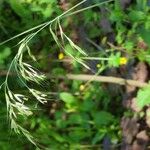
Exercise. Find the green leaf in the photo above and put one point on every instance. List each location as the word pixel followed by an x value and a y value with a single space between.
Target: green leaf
pixel 75 119
pixel 143 97
pixel 144 33
pixel 98 137
pixel 19 9
pixel 57 136
pixel 114 60
pixel 129 46
pixel 116 15
pixel 88 16
pixel 47 1
pixel 4 54
pixel 102 118
pixel 70 50
pixel 47 12
pixel 141 5
pixel 67 97
pixel 87 105
pixel 78 134
pixel 135 15
pixel 58 71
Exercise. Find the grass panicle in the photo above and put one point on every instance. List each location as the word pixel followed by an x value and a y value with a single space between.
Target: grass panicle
pixel 17 102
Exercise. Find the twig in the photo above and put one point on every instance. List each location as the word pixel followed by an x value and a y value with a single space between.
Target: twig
pixel 85 77
pixel 107 79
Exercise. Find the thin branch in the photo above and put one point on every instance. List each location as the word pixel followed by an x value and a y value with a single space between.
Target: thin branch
pixel 107 79
pixel 85 77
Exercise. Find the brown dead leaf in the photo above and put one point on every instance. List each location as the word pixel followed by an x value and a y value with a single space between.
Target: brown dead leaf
pixel 134 105
pixel 141 141
pixel 140 72
pixel 143 136
pixel 137 146
pixel 130 128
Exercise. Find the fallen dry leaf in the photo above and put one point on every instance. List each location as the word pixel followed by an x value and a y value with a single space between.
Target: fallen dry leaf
pixel 140 72
pixel 130 128
pixel 134 105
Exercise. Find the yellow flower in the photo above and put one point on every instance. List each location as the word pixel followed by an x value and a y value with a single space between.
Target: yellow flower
pixel 98 65
pixel 82 87
pixel 61 56
pixel 123 61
